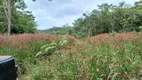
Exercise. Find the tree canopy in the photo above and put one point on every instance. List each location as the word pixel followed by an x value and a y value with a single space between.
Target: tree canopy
pixel 22 21
pixel 109 18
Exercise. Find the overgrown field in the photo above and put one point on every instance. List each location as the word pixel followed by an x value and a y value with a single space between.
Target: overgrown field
pixel 102 57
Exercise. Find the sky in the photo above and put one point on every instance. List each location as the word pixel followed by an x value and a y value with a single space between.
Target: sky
pixel 59 12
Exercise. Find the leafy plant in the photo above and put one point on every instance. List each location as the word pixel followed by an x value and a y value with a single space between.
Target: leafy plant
pixel 140 27
pixel 48 49
pixel 113 33
pixel 63 41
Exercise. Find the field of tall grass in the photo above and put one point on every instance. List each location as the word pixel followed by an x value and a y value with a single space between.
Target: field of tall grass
pixel 102 57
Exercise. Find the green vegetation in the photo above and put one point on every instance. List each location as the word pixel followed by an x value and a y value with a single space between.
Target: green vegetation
pixel 116 57
pixel 22 20
pixel 113 56
pixel 65 29
pixel 48 49
pixel 107 18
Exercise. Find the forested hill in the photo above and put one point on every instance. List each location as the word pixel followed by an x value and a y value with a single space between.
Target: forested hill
pixel 58 30
pixel 108 18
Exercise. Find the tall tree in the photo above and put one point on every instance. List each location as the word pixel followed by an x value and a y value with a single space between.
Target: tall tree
pixel 6 5
pixel 109 18
pixel 21 20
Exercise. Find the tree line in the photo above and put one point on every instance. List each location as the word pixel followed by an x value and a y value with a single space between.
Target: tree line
pixel 58 30
pixel 108 18
pixel 22 20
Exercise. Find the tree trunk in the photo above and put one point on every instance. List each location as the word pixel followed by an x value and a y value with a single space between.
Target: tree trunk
pixel 9 19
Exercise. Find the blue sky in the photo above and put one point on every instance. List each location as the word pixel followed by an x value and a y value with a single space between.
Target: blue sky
pixel 60 12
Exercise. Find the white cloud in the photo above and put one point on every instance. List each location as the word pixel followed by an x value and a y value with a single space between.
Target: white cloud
pixel 60 12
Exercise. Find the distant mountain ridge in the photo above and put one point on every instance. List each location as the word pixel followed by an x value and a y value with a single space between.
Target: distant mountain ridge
pixel 57 30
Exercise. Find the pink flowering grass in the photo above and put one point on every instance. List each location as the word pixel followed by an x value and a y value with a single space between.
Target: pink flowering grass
pixel 24 39
pixel 105 38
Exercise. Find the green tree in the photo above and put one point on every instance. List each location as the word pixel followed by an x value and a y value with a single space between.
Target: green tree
pixel 109 18
pixel 21 20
